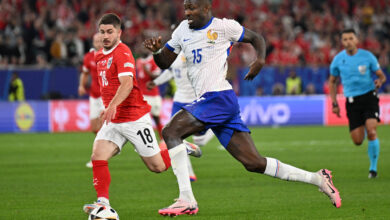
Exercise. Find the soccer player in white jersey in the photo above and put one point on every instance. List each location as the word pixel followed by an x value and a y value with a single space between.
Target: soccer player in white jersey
pixel 206 41
pixel 184 95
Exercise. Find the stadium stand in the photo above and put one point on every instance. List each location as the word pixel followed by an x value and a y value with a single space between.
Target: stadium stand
pixel 301 34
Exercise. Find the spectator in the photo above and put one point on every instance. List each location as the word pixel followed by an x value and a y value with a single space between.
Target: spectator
pixel 74 47
pixel 58 48
pixel 310 89
pixel 16 89
pixel 278 89
pixel 293 84
pixel 259 91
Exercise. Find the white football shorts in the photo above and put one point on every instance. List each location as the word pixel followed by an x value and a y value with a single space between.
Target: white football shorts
pixel 140 133
pixel 155 102
pixel 95 107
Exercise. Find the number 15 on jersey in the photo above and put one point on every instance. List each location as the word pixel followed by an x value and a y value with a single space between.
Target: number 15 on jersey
pixel 197 56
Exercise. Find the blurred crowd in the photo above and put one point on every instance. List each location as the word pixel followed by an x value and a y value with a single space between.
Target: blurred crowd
pixel 297 32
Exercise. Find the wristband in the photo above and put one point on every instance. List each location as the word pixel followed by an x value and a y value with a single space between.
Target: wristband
pixel 335 105
pixel 157 52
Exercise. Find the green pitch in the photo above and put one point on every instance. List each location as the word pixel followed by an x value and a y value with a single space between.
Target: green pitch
pixel 43 176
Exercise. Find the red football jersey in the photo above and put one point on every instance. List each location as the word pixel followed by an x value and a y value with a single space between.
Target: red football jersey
pixel 148 64
pixel 112 64
pixel 89 66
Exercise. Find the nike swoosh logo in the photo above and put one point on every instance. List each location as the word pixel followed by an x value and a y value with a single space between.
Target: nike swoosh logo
pixel 150 146
pixel 184 40
pixel 331 188
pixel 188 209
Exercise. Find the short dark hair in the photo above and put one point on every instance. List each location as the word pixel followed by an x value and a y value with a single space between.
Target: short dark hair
pixel 348 31
pixel 110 18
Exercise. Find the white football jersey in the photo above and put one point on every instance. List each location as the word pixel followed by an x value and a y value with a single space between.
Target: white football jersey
pixel 184 91
pixel 206 51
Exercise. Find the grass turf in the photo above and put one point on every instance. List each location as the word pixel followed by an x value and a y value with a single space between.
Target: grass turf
pixel 43 176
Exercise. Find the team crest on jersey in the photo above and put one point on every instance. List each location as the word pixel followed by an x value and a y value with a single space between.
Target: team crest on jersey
pixel 362 69
pixel 102 63
pixel 212 36
pixel 109 62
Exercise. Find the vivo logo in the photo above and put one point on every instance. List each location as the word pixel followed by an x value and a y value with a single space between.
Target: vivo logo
pixel 276 113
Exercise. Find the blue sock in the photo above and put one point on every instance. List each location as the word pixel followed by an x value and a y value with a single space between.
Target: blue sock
pixel 373 153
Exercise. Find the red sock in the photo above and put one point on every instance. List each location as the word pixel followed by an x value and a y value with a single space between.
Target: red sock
pixel 101 177
pixel 165 156
pixel 159 129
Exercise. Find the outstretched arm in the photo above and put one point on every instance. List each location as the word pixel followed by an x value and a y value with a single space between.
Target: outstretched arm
pixel 258 43
pixel 162 55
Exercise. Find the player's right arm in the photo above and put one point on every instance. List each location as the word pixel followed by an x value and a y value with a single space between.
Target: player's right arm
pixel 84 76
pixel 334 75
pixel 124 90
pixel 83 82
pixel 162 55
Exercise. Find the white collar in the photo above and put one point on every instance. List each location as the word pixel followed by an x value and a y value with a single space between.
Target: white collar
pixel 105 52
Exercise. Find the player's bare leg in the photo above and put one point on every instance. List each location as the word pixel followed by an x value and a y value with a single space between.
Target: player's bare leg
pixel 155 163
pixel 357 135
pixel 242 148
pixel 182 125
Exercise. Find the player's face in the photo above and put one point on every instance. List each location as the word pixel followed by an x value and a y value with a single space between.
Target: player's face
pixel 196 13
pixel 110 35
pixel 349 41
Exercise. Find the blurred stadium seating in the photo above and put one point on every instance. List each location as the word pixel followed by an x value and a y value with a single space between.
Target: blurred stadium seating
pixel 42 35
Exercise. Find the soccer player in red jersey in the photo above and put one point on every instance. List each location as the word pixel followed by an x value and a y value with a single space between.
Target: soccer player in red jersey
pixel 125 117
pixel 95 100
pixel 147 70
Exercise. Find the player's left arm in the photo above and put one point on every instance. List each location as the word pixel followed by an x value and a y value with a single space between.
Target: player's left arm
pixel 121 94
pixel 258 42
pixel 381 78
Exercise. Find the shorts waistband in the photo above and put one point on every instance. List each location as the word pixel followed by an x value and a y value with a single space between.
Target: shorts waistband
pixel 372 92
